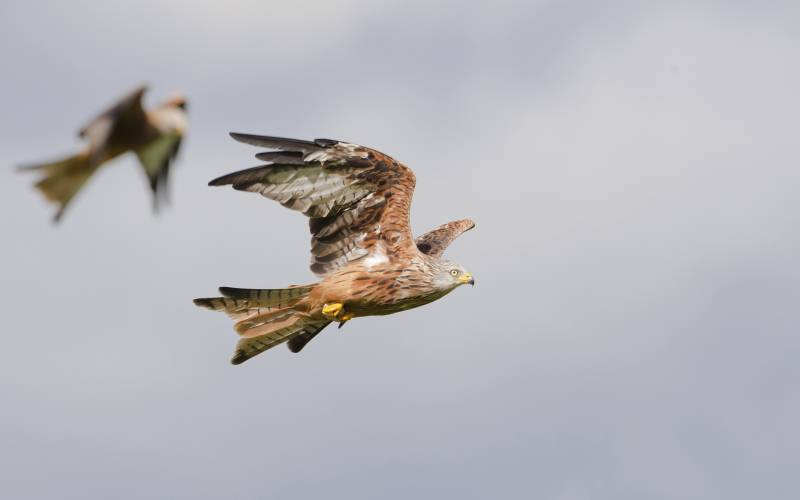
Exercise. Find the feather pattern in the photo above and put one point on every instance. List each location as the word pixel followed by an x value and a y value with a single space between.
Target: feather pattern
pixel 265 317
pixel 358 202
pixel 354 196
pixel 240 303
pixel 251 346
pixel 435 242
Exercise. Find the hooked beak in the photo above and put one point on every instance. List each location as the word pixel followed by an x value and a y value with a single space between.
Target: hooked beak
pixel 467 278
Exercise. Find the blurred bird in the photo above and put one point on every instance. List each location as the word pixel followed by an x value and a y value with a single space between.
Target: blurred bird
pixel 155 136
pixel 358 201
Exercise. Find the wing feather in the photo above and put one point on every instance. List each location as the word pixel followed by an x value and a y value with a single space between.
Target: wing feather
pixel 436 241
pixel 281 143
pixel 156 158
pixel 354 196
pixel 123 119
pixel 307 329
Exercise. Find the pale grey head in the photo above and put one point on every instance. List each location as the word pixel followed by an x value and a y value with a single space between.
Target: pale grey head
pixel 449 275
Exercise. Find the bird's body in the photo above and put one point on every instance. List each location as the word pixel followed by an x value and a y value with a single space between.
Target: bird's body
pixel 358 201
pixel 376 290
pixel 153 135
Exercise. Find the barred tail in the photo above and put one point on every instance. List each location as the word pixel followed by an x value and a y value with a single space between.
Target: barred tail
pixel 63 179
pixel 301 327
pixel 266 318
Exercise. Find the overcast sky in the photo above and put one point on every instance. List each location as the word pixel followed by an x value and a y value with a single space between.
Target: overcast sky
pixel 633 171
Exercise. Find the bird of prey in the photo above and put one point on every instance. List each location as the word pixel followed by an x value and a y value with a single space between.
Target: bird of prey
pixel 358 201
pixel 154 135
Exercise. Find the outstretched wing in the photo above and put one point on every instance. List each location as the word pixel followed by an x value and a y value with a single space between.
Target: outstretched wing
pixel 168 123
pixel 123 120
pixel 357 199
pixel 436 241
pixel 156 158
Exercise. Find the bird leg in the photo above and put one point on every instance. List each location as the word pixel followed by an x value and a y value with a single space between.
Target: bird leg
pixel 336 312
pixel 333 311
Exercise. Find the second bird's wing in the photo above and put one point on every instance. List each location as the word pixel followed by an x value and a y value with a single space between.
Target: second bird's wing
pixel 123 122
pixel 156 157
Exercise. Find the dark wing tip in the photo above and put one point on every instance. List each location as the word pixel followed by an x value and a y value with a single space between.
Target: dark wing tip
pixel 251 139
pixel 241 178
pixel 326 143
pixel 135 95
pixel 59 214
pixel 224 180
pixel 290 157
pixel 268 141
pixel 220 181
pixel 153 181
pixel 240 136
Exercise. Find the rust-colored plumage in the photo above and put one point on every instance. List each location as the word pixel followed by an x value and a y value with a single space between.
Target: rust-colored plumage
pixel 154 135
pixel 358 201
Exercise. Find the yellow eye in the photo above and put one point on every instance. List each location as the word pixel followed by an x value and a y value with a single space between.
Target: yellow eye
pixel 454 272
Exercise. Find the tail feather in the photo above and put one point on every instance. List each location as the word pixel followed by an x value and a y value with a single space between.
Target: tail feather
pixel 239 303
pixel 268 322
pixel 266 318
pixel 235 308
pixel 267 297
pixel 63 179
pixel 252 346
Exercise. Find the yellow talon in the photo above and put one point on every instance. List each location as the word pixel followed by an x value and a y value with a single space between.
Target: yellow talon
pixel 333 310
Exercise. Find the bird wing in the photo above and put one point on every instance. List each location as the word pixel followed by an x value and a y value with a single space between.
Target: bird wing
pixel 123 119
pixel 436 241
pixel 357 199
pixel 156 157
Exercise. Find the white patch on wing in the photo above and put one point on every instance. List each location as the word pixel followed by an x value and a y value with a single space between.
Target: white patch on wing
pixel 320 156
pixel 336 152
pixel 378 256
pixel 351 148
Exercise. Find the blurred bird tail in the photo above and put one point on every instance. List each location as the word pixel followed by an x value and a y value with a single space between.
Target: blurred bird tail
pixel 266 318
pixel 63 179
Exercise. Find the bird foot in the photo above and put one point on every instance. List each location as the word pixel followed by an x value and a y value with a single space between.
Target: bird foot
pixel 333 311
pixel 336 312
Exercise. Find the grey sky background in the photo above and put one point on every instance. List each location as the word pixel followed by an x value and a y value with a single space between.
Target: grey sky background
pixel 633 171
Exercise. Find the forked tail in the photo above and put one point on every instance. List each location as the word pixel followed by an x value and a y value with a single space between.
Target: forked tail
pixel 63 179
pixel 266 318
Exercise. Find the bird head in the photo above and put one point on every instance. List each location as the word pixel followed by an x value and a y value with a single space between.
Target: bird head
pixel 176 101
pixel 171 116
pixel 449 275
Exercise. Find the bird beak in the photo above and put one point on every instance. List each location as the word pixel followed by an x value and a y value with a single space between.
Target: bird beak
pixel 467 278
